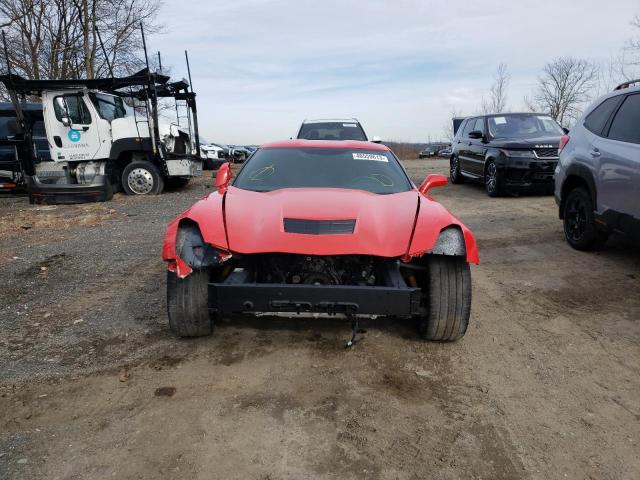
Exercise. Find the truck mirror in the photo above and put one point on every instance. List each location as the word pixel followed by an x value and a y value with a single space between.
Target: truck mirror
pixel 376 139
pixel 61 107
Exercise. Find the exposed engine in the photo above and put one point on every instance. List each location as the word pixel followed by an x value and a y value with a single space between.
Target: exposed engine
pixel 316 270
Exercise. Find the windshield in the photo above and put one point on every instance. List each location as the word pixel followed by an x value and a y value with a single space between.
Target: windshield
pixel 109 107
pixel 375 171
pixel 523 126
pixel 332 131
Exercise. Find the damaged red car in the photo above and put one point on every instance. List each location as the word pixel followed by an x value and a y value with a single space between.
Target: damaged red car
pixel 322 228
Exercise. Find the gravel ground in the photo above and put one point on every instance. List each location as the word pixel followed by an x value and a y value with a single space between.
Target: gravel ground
pixel 92 385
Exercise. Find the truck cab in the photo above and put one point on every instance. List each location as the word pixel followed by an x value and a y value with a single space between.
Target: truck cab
pixel 104 135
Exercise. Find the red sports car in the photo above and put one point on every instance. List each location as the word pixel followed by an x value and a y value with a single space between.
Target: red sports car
pixel 320 227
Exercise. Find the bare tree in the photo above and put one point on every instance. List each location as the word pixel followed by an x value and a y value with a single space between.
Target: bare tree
pixel 497 101
pixel 563 88
pixel 58 38
pixel 629 60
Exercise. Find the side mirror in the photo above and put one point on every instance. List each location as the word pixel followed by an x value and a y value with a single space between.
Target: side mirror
pixel 476 134
pixel 376 139
pixel 223 177
pixel 432 181
pixel 565 130
pixel 62 108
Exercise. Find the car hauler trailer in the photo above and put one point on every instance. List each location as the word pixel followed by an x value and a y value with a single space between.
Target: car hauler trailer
pixel 103 134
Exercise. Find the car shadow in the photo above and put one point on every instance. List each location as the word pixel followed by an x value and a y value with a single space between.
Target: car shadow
pixel 397 327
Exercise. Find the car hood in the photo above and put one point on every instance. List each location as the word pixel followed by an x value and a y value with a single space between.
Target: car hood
pixel 538 142
pixel 255 221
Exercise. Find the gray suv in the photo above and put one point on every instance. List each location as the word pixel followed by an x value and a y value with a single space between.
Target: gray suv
pixel 597 179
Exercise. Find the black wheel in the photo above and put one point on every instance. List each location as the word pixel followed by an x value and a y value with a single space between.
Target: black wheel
pixel 141 177
pixel 492 180
pixel 579 226
pixel 177 182
pixel 447 294
pixel 454 171
pixel 187 304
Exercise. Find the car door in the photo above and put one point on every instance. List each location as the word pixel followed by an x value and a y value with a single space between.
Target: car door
pixel 464 146
pixel 78 140
pixel 618 155
pixel 477 148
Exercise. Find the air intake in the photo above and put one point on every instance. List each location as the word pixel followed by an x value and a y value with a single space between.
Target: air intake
pixel 319 227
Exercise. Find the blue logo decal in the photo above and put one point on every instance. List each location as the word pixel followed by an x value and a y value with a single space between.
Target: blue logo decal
pixel 74 136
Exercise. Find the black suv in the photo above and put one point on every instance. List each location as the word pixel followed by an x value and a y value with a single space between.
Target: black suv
pixel 506 151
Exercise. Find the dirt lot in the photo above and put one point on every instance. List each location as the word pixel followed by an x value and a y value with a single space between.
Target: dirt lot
pixel 545 385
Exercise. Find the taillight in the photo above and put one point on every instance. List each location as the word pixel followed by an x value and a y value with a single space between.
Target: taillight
pixel 563 142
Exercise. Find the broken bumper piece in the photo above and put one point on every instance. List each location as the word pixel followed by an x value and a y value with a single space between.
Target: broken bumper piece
pixel 324 299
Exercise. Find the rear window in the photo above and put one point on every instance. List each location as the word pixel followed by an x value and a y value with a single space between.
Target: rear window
pixel 375 171
pixel 332 131
pixel 599 117
pixel 625 126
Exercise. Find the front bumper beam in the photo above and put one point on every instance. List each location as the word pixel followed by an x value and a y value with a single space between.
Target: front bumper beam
pixel 326 299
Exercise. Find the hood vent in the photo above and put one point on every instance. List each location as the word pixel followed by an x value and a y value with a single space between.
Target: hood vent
pixel 319 227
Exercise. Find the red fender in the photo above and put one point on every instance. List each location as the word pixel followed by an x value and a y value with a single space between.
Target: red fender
pixel 432 219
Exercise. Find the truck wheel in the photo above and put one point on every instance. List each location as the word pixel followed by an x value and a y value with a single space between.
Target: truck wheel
pixel 141 177
pixel 454 172
pixel 448 293
pixel 492 180
pixel 187 304
pixel 579 226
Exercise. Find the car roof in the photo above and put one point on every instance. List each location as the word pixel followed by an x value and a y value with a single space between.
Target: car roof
pixel 348 144
pixel 331 120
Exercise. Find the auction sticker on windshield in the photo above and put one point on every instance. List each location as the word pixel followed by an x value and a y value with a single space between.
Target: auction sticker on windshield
pixel 370 156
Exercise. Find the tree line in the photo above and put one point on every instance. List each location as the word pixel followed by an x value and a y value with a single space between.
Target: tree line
pixel 58 39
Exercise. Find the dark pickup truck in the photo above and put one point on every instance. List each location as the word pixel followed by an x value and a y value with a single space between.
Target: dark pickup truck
pixel 506 151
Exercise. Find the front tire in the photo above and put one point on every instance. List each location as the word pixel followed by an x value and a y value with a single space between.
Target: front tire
pixel 448 295
pixel 578 220
pixel 492 180
pixel 141 177
pixel 187 304
pixel 454 171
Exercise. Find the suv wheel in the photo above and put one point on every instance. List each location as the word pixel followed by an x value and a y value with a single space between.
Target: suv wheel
pixel 492 180
pixel 454 171
pixel 579 226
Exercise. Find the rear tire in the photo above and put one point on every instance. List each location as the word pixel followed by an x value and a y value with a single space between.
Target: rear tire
pixel 448 294
pixel 578 220
pixel 454 171
pixel 141 177
pixel 188 304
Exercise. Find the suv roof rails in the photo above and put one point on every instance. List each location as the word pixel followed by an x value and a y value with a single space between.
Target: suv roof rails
pixel 627 84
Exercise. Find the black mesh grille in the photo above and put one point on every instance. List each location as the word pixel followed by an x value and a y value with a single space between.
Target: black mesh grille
pixel 319 227
pixel 546 152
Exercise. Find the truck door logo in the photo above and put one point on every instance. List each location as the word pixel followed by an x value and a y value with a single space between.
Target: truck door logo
pixel 74 135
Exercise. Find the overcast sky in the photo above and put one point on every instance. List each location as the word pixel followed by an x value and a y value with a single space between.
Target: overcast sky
pixel 261 66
